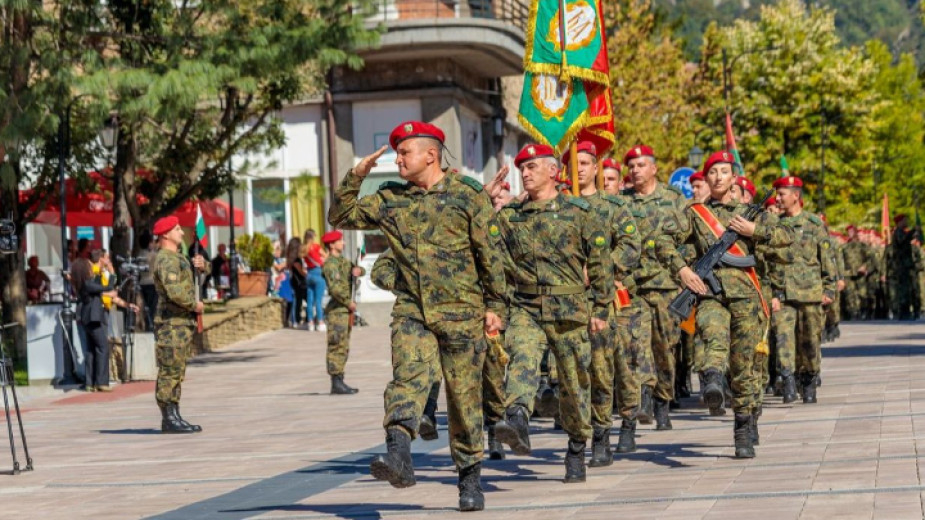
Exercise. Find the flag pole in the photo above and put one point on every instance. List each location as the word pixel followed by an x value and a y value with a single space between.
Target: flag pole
pixel 573 167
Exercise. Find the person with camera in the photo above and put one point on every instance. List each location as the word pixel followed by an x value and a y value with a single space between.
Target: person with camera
pixel 175 321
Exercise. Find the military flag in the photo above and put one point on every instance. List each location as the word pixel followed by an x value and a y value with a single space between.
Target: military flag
pixel 885 220
pixel 731 144
pixel 201 235
pixel 566 93
pixel 784 167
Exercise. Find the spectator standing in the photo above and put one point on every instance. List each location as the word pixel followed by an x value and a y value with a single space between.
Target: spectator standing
pixel 37 282
pixel 95 319
pixel 314 259
pixel 221 272
pixel 146 280
pixel 297 279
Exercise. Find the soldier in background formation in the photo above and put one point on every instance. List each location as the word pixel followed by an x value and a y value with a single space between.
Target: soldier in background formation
pixel 339 273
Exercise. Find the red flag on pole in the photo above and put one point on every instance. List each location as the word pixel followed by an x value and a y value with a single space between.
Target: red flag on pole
pixel 885 220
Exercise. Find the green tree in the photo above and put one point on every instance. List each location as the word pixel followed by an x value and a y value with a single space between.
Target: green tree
pixel 797 89
pixel 649 79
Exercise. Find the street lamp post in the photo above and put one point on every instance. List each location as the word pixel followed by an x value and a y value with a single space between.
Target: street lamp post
pixel 232 250
pixel 695 157
pixel 68 375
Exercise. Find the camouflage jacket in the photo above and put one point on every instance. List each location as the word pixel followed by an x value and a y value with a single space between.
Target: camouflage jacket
pixel 384 272
pixel 444 240
pixel 659 217
pixel 734 281
pixel 176 291
pixel 807 270
pixel 625 240
pixel 337 273
pixel 858 254
pixel 549 244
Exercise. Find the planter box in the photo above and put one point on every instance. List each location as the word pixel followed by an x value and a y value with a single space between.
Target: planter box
pixel 253 284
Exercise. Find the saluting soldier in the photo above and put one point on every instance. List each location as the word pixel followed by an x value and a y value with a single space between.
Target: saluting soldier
pixel 174 321
pixel 733 322
pixel 808 277
pixel 550 240
pixel 446 245
pixel 625 251
pixel 661 206
pixel 339 273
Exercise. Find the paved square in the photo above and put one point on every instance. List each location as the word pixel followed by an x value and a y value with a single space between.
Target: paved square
pixel 275 445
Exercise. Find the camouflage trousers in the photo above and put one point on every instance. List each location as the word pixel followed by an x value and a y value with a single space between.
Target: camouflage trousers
pixel 418 352
pixel 173 346
pixel 854 296
pixel 525 340
pixel 832 313
pixel 902 295
pixel 603 345
pixel 665 336
pixel 633 364
pixel 798 332
pixel 338 322
pixel 731 329
pixel 493 388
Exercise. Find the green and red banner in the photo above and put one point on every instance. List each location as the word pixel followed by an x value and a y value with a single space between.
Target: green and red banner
pixel 566 94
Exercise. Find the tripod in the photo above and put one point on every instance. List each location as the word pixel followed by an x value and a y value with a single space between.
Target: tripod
pixel 7 380
pixel 128 324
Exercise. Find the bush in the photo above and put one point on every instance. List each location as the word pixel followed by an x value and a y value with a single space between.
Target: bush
pixel 257 251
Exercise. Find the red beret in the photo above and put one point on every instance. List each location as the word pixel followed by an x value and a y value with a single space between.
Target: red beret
pixel 718 158
pixel 637 152
pixel 332 236
pixel 698 176
pixel 770 202
pixel 165 225
pixel 533 151
pixel 627 179
pixel 583 146
pixel 850 227
pixel 610 163
pixel 746 185
pixel 788 182
pixel 410 129
pixel 899 217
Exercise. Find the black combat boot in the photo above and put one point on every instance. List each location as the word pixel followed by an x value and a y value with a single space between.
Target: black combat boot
pixel 495 448
pixel 339 387
pixel 515 430
pixel 789 387
pixel 646 405
pixel 712 389
pixel 395 466
pixel 428 428
pixel 470 488
pixel 627 442
pixel 170 423
pixel 753 425
pixel 575 462
pixel 600 449
pixel 743 436
pixel 195 427
pixel 662 421
pixel 547 401
pixel 809 388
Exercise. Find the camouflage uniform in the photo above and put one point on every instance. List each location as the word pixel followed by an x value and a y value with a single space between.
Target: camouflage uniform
pixel 174 322
pixel 857 255
pixel 633 361
pixel 548 245
pixel 447 252
pixel 656 286
pixel 900 274
pixel 337 273
pixel 732 323
pixel 832 311
pixel 804 273
pixel 625 251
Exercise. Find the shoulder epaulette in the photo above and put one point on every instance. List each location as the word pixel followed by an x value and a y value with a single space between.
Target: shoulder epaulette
pixel 672 187
pixel 614 199
pixel 814 219
pixel 472 183
pixel 580 202
pixel 391 185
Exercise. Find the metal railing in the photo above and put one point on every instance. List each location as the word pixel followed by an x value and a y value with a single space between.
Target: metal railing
pixel 514 12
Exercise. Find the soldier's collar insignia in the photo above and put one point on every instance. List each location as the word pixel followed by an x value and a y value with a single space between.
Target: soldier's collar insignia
pixel 493 230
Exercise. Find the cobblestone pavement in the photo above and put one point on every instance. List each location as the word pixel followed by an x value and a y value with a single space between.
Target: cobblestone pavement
pixel 276 446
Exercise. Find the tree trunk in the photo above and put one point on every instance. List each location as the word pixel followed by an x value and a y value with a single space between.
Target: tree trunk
pixel 123 173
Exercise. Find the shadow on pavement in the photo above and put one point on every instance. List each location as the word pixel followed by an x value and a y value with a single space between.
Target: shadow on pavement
pixel 131 431
pixel 213 358
pixel 349 511
pixel 874 350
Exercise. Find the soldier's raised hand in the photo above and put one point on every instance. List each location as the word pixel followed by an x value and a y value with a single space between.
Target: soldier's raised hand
pixel 494 186
pixel 367 163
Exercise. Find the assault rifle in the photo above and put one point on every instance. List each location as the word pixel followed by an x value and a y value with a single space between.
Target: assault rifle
pixel 683 304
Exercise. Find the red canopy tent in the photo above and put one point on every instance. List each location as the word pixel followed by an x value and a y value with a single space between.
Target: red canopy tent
pixel 95 208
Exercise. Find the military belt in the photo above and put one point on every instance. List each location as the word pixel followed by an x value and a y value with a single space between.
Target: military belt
pixel 549 290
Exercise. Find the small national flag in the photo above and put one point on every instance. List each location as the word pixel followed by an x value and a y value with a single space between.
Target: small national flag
pixel 784 167
pixel 731 144
pixel 201 235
